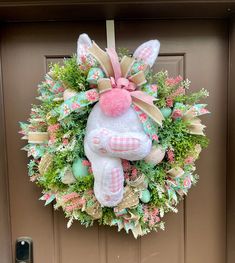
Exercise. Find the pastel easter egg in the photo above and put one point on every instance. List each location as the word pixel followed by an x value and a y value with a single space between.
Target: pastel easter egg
pixel 166 112
pixel 69 93
pixel 145 196
pixel 94 74
pixel 79 169
pixel 156 155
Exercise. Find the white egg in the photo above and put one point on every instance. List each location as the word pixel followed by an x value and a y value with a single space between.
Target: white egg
pixel 156 155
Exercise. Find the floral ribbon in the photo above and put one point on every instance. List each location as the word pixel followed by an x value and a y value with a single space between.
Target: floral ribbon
pixel 119 75
pixel 190 116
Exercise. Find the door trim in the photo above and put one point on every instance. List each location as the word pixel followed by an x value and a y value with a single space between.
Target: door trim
pixel 230 202
pixel 5 218
pixel 44 10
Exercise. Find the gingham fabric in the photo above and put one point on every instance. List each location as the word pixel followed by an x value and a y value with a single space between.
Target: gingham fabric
pixel 148 52
pixel 121 144
pixel 116 180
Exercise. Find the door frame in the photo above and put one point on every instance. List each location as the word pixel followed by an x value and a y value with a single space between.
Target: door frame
pixel 62 10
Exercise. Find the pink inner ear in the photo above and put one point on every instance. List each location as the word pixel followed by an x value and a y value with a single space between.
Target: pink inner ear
pixel 145 53
pixel 84 42
pixel 148 52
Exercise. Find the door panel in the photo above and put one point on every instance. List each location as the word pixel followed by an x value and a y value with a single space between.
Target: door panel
pixel 203 45
pixel 194 49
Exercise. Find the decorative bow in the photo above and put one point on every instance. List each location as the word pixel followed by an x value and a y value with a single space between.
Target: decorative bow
pixel 118 77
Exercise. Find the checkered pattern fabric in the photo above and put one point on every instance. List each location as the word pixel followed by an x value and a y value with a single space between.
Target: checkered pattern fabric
pixel 121 144
pixel 145 53
pixel 116 180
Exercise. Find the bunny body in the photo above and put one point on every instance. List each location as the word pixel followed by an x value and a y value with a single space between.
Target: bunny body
pixel 114 131
pixel 107 141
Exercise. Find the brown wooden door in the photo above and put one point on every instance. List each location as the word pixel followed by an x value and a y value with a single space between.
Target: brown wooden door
pixel 197 50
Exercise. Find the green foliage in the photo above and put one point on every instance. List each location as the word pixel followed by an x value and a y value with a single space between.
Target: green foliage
pixel 123 52
pixel 83 184
pixel 195 97
pixel 70 74
pixel 51 180
pixel 108 216
pixel 174 135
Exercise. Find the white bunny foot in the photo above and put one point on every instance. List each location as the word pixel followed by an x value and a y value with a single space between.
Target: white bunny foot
pixel 130 146
pixel 109 178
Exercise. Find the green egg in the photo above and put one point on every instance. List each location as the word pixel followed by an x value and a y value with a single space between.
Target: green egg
pixel 79 170
pixel 166 112
pixel 145 196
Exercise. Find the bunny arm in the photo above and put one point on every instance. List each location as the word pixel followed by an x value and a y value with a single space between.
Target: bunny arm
pixel 129 145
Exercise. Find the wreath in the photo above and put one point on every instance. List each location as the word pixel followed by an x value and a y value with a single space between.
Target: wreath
pixel 113 142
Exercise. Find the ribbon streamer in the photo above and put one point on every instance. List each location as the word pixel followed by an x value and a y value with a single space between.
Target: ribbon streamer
pixel 38 137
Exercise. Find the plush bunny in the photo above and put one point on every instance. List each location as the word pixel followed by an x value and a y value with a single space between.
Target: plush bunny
pixel 114 131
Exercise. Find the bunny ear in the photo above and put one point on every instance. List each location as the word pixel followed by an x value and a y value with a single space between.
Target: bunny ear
pixel 84 42
pixel 148 52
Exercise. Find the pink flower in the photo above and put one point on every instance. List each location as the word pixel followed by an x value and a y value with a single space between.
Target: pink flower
pixel 170 156
pixel 90 170
pixel 50 82
pixel 151 222
pixel 155 137
pixel 92 95
pixel 187 182
pixel 173 81
pixel 60 89
pixel 154 87
pixel 126 175
pixel 70 196
pixel 46 196
pixel 66 109
pixel 189 160
pixel 204 111
pixel 155 211
pixel 141 67
pixel 52 138
pixel 83 58
pixel 157 219
pixel 143 117
pixel 82 201
pixel 169 102
pixel 65 141
pixel 177 114
pixel 136 108
pixel 53 128
pixel 126 165
pixel 134 172
pixel 178 92
pixel 86 163
pixel 75 106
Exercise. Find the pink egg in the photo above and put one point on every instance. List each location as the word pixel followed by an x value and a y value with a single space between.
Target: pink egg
pixel 115 102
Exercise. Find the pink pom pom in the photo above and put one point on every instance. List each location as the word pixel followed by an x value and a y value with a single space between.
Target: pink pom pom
pixel 115 102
